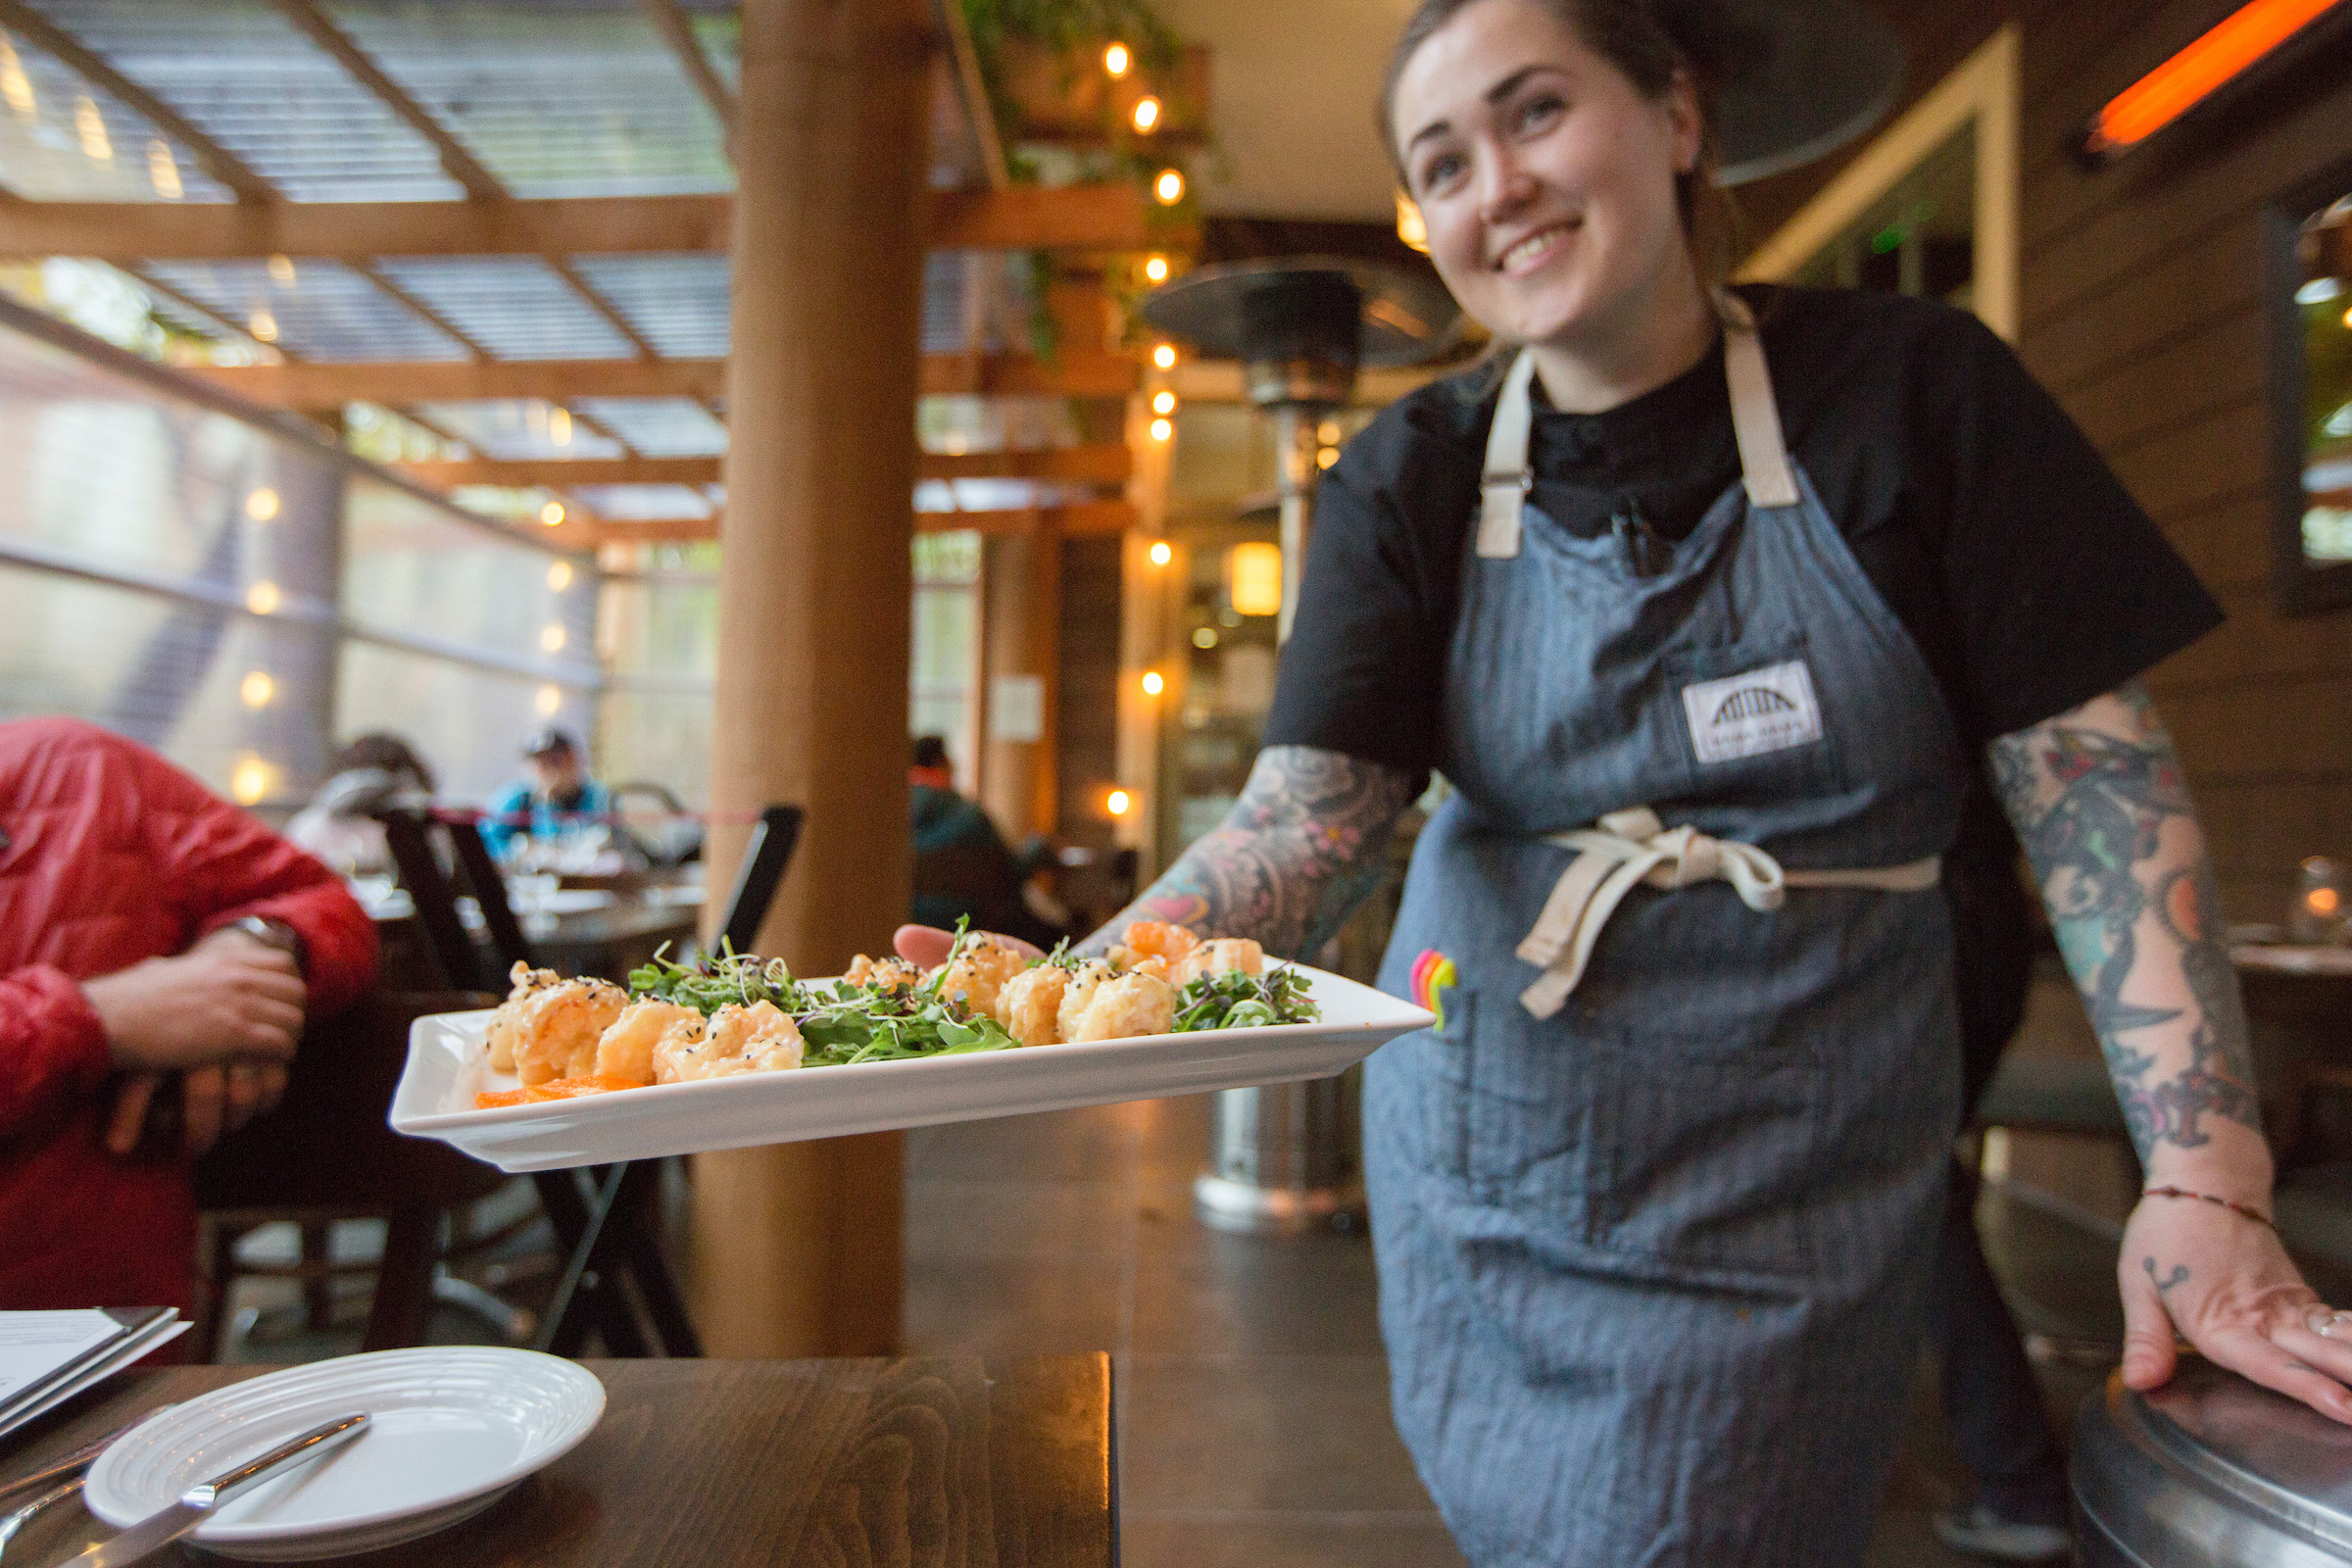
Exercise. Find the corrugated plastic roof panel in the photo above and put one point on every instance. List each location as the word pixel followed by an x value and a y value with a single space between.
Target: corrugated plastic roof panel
pixel 326 312
pixel 53 148
pixel 659 427
pixel 643 502
pixel 244 75
pixel 516 307
pixel 518 428
pixel 554 97
pixel 679 303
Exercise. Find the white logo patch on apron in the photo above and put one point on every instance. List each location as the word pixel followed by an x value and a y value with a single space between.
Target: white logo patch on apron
pixel 1768 709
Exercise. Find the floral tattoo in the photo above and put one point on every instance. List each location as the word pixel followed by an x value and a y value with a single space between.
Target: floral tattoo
pixel 2093 794
pixel 1297 853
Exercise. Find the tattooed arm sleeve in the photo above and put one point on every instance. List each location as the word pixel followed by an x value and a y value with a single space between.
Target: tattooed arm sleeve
pixel 2098 799
pixel 1298 851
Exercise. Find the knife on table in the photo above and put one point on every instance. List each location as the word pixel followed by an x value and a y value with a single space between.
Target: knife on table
pixel 199 1503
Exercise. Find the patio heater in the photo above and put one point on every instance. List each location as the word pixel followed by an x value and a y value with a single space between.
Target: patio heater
pixel 1288 1158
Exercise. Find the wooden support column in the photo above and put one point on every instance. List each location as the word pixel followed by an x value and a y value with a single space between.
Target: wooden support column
pixel 796 1248
pixel 1020 621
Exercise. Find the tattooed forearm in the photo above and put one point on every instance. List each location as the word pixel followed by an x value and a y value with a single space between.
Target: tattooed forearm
pixel 1297 853
pixel 2098 800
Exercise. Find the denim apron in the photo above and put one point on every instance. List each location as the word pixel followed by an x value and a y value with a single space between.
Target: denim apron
pixel 1655 1204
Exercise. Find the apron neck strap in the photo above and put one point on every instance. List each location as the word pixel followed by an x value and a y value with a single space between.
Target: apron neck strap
pixel 1508 477
pixel 1755 414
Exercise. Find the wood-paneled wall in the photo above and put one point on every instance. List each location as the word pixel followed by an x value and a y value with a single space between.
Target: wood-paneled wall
pixel 2143 314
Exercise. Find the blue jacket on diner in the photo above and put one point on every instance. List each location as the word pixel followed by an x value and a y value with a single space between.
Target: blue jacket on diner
pixel 521 809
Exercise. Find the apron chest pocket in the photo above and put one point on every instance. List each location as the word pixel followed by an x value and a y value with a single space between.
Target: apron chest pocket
pixel 1748 718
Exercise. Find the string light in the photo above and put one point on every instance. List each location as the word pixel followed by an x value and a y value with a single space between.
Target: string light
pixel 552 513
pixel 1327 456
pixel 262 504
pixel 1161 555
pixel 550 699
pixel 261 597
pixel 1156 268
pixel 250 781
pixel 1147 114
pixel 1117 61
pixel 281 271
pixel 1169 187
pixel 256 689
pixel 559 576
pixel 1118 802
pixel 552 639
pixel 1163 401
pixel 1204 637
pixel 1164 356
pixel 1412 226
pixel 559 427
pixel 89 126
pixel 15 86
pixel 1328 432
pixel 1163 429
pixel 263 325
pixel 1153 685
pixel 163 170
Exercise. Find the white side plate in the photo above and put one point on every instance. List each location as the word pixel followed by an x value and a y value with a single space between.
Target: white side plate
pixel 452 1428
pixel 448 1067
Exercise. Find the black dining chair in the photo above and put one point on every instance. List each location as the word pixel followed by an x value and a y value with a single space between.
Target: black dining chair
pixel 607 1219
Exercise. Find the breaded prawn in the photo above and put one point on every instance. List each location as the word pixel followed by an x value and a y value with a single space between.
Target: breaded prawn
pixel 891 974
pixel 981 968
pixel 558 1027
pixel 527 982
pixel 1123 1007
pixel 1221 956
pixel 1030 1004
pixel 759 1037
pixel 626 1049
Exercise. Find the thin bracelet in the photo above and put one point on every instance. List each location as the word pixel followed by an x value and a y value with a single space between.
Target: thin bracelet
pixel 2248 1210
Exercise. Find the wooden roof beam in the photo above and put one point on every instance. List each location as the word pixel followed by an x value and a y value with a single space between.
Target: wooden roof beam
pixel 457 161
pixel 398 382
pixel 1106 217
pixel 1081 518
pixel 1105 465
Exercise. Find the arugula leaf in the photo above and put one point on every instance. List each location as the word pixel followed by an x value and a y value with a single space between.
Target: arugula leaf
pixel 1232 999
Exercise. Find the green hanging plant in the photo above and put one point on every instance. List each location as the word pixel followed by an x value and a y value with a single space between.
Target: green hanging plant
pixel 1065 28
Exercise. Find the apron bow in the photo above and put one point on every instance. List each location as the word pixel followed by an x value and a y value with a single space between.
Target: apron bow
pixel 1632 846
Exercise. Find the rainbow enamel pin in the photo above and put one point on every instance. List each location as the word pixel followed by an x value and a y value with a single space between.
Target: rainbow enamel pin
pixel 1433 973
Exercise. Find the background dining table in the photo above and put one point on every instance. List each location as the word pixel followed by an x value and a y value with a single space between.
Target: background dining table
pixel 959 1461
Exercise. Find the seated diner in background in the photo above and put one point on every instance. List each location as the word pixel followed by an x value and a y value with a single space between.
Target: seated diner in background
pixel 160 950
pixel 557 802
pixel 339 826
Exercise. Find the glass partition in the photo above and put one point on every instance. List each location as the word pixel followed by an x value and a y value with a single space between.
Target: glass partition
pixel 2311 392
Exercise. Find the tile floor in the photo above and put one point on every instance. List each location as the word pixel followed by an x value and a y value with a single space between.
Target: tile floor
pixel 1253 1412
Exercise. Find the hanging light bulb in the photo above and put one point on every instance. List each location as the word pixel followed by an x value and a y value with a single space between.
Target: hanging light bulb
pixel 1147 114
pixel 552 639
pixel 262 504
pixel 553 514
pixel 559 427
pixel 1163 429
pixel 250 782
pixel 559 576
pixel 1153 685
pixel 281 271
pixel 163 170
pixel 1163 401
pixel 1164 355
pixel 263 325
pixel 256 689
pixel 1411 228
pixel 15 86
pixel 1156 268
pixel 89 128
pixel 1117 61
pixel 1169 187
pixel 1119 802
pixel 261 597
pixel 550 699
pixel 1161 555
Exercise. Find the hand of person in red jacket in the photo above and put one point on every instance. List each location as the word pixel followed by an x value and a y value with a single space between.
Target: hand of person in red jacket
pixel 227 1014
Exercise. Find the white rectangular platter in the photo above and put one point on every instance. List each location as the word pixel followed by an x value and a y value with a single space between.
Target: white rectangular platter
pixel 448 1067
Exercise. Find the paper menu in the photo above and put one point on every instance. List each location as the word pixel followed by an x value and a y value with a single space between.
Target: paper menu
pixel 35 1345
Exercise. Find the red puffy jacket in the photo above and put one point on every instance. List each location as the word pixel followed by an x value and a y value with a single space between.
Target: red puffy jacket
pixel 109 855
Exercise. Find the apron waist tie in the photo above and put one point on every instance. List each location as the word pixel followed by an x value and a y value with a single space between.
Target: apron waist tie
pixel 1632 846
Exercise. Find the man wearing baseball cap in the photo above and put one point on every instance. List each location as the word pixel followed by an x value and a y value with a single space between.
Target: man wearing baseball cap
pixel 558 797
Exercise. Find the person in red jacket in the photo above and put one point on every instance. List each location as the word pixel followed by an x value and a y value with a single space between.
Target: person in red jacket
pixel 149 932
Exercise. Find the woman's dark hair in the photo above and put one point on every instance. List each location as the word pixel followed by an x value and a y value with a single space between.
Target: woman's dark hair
pixel 1648 41
pixel 387 753
pixel 930 751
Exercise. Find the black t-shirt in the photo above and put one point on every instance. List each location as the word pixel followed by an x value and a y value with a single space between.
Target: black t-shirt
pixel 2028 578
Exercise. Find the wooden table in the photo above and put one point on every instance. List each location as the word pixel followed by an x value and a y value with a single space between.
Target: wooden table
pixel 940 1461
